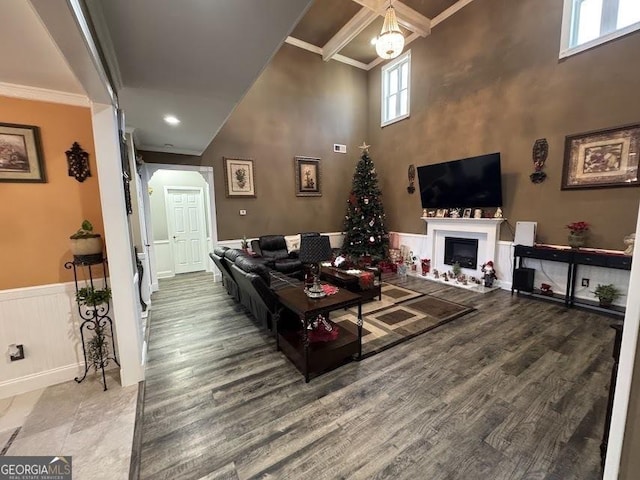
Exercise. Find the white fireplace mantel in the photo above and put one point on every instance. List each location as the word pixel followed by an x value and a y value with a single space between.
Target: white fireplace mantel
pixel 486 230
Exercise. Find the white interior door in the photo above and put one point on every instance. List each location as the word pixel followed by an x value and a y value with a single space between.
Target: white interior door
pixel 186 228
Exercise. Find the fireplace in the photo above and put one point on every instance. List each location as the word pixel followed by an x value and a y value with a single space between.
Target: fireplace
pixel 486 231
pixel 461 250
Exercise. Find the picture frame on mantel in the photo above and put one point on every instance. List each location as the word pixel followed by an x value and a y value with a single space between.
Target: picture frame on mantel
pixel 602 159
pixel 239 178
pixel 308 177
pixel 21 157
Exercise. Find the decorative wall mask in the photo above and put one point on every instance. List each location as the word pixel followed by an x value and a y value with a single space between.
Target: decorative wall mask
pixel 412 177
pixel 78 161
pixel 540 152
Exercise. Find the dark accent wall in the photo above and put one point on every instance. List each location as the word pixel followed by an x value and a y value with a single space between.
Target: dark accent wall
pixel 300 105
pixel 489 79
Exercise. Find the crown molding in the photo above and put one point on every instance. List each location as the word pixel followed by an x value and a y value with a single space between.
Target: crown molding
pixel 43 95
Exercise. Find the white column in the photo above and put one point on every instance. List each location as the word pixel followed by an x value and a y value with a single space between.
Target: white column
pixel 625 368
pixel 126 307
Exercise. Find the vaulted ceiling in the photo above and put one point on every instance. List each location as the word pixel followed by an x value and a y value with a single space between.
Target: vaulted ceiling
pixel 196 59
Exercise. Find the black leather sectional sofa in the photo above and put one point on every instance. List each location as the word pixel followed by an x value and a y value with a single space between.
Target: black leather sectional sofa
pixel 251 282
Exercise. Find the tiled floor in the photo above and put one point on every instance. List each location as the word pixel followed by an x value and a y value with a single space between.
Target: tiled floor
pixel 80 420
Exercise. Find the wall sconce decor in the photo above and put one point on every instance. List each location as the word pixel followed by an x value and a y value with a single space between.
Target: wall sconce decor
pixel 78 161
pixel 412 176
pixel 540 152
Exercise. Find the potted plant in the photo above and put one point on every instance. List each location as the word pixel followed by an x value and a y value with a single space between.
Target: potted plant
pixel 606 294
pixel 86 243
pixel 92 297
pixel 577 234
pixel 97 347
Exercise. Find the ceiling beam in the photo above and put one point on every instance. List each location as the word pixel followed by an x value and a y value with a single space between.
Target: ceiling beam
pixel 450 11
pixel 407 16
pixel 313 49
pixel 348 32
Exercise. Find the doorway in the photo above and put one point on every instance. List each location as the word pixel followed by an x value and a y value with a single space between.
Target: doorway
pixel 186 228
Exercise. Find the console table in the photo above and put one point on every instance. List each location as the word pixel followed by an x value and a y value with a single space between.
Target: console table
pixel 572 258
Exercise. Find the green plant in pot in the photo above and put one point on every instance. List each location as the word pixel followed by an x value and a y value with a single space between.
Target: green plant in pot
pixel 86 243
pixel 607 294
pixel 92 297
pixel 97 347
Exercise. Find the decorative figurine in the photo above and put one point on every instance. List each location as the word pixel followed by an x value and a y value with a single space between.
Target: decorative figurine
pixel 424 213
pixel 454 213
pixel 489 274
pixel 436 273
pixel 477 213
pixel 498 213
pixel 545 289
pixel 540 152
pixel 445 277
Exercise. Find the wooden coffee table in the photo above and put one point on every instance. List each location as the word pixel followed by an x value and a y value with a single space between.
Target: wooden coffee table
pixel 317 357
pixel 342 279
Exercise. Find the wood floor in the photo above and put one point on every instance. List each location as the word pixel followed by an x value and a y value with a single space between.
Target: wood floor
pixel 514 390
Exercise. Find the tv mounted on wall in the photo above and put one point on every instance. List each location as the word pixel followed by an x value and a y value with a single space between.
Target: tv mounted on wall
pixel 474 182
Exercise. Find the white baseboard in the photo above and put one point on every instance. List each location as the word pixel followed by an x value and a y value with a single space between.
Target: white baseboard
pixel 39 380
pixel 165 274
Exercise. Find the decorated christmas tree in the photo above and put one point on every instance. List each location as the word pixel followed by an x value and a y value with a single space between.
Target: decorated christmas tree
pixel 365 233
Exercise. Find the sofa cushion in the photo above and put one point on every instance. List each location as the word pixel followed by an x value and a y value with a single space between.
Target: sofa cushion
pixel 219 251
pixel 232 253
pixel 293 242
pixel 253 265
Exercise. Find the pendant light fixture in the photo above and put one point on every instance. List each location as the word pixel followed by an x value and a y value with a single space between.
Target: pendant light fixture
pixel 390 42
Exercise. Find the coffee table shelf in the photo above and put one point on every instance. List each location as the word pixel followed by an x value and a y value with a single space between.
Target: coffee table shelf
pixel 317 357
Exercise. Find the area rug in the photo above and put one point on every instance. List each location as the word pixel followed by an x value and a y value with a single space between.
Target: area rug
pixel 387 323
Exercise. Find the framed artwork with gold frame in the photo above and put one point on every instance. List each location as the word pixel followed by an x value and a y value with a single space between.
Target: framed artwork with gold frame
pixel 239 179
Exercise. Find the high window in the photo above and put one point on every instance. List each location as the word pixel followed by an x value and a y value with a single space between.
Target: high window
pixel 396 82
pixel 588 23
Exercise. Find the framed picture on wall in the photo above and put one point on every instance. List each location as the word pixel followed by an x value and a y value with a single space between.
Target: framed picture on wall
pixel 308 177
pixel 239 177
pixel 21 154
pixel 605 158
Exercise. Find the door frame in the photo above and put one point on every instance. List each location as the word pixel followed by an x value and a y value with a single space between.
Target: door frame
pixel 203 223
pixel 207 173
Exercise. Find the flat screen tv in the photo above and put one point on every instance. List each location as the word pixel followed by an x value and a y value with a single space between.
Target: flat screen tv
pixel 474 182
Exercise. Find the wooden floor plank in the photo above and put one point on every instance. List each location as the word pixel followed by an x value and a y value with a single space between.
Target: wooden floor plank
pixel 516 389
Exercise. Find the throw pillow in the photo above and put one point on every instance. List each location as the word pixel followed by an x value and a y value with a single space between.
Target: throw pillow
pixel 293 242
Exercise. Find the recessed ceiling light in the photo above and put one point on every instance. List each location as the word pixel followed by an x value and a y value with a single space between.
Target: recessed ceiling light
pixel 374 40
pixel 171 119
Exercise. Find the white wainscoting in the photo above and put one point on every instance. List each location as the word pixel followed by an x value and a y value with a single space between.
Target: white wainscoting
pixel 553 273
pixel 45 320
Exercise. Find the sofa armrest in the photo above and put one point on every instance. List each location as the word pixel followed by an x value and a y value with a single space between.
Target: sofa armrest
pixel 255 247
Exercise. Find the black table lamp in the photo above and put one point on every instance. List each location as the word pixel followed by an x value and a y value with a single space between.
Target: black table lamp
pixel 314 250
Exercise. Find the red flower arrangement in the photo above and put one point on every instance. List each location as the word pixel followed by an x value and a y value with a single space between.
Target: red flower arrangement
pixel 578 227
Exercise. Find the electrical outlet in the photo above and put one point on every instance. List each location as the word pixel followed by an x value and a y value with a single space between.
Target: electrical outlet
pixel 243 212
pixel 585 282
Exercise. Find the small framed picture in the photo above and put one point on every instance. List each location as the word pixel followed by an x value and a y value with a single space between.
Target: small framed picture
pixel 239 177
pixel 466 213
pixel 441 213
pixel 21 154
pixel 308 178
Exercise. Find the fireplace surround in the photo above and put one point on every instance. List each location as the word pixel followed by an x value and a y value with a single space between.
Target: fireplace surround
pixel 486 231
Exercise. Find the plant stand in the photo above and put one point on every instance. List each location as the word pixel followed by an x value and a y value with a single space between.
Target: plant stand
pixel 94 318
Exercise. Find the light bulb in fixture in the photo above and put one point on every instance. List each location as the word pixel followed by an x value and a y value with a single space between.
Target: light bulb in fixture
pixel 171 119
pixel 391 41
pixel 374 40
